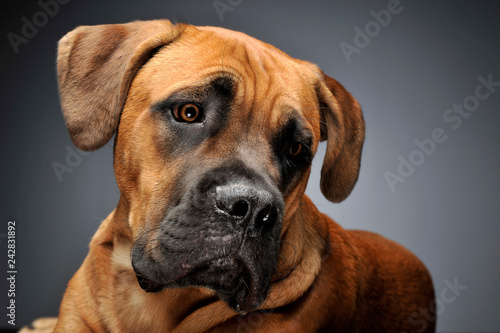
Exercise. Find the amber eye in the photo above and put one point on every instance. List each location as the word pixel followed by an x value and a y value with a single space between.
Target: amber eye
pixel 295 149
pixel 187 113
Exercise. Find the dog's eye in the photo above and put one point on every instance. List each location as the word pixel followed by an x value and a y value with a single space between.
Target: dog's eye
pixel 295 149
pixel 186 113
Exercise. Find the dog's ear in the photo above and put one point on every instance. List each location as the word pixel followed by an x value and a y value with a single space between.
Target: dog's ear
pixel 95 67
pixel 343 127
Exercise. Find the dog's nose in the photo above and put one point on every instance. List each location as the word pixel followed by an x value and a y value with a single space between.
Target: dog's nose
pixel 247 205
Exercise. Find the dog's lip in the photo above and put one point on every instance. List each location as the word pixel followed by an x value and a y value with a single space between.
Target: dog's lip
pixel 242 288
pixel 243 295
pixel 150 285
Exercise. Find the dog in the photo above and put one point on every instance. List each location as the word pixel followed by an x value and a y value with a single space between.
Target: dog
pixel 215 132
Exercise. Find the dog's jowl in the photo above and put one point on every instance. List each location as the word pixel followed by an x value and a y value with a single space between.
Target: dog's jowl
pixel 214 136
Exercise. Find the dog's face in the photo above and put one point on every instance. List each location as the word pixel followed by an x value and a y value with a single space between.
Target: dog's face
pixel 215 134
pixel 228 147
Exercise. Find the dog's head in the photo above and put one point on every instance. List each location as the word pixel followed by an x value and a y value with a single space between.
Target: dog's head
pixel 215 134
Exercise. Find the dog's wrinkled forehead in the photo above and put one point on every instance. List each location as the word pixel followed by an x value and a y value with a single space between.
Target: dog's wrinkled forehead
pixel 263 79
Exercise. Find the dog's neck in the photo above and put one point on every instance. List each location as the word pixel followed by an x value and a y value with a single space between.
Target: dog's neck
pixel 302 249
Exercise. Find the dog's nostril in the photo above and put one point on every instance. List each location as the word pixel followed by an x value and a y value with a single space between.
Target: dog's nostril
pixel 265 216
pixel 239 209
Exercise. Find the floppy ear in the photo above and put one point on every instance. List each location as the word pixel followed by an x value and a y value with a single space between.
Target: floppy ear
pixel 344 129
pixel 95 67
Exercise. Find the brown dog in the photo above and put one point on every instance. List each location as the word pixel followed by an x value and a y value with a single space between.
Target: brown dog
pixel 215 133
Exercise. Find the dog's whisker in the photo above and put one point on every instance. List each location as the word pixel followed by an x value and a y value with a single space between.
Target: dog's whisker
pixel 245 284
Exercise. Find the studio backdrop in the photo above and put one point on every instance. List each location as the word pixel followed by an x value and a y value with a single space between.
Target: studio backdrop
pixel 426 73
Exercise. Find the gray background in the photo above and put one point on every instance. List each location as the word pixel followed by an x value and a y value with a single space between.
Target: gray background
pixel 426 59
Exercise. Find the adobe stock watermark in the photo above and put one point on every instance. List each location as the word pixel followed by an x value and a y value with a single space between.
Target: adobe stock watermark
pixel 73 159
pixel 223 6
pixel 11 272
pixel 454 118
pixel 30 27
pixel 363 37
pixel 420 319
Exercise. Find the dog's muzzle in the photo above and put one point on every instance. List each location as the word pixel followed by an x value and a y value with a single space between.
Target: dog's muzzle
pixel 224 234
